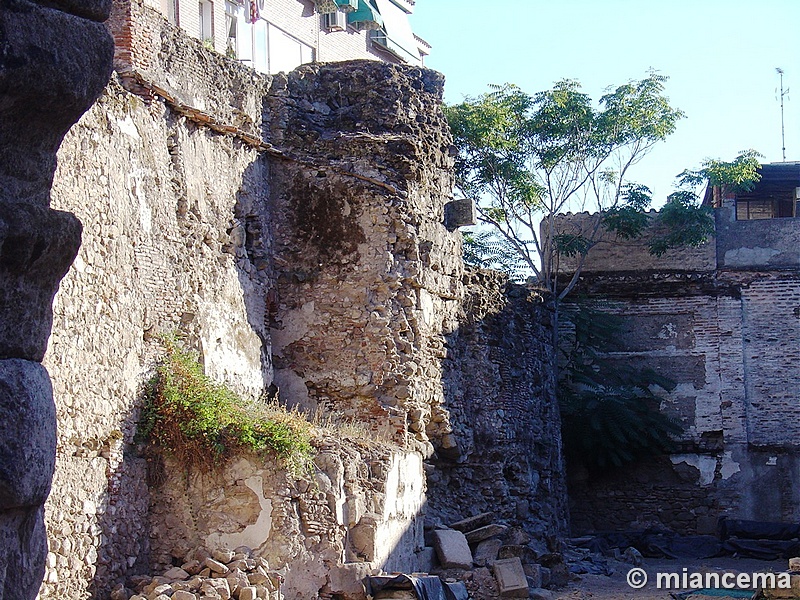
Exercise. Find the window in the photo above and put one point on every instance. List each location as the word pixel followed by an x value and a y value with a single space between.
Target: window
pixel 169 8
pixel 231 30
pixel 286 52
pixel 206 10
pixel 767 208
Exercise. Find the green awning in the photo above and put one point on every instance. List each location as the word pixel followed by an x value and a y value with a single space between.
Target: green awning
pixel 365 17
pixel 347 6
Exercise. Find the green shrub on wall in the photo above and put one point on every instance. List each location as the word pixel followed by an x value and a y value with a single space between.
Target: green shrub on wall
pixel 201 423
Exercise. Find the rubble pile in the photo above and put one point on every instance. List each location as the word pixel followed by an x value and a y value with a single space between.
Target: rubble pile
pixel 497 561
pixel 221 574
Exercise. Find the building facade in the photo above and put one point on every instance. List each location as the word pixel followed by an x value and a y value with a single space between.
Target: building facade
pixel 723 323
pixel 279 35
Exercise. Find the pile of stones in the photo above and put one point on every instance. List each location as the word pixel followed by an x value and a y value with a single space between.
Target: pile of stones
pixel 497 561
pixel 221 574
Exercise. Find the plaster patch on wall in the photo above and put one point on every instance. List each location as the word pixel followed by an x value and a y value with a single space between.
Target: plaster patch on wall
pixel 231 349
pixel 136 186
pixel 745 257
pixel 128 127
pixel 253 535
pixel 706 465
pixel 428 309
pixel 729 466
pixel 295 325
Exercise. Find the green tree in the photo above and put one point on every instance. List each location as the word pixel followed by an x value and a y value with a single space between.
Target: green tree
pixel 528 158
pixel 609 408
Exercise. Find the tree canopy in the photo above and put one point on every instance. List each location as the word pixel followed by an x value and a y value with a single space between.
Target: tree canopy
pixel 528 158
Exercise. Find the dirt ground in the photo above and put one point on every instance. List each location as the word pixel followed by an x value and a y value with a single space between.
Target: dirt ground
pixel 601 587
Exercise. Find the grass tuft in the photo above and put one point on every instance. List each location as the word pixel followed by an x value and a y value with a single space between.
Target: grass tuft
pixel 202 423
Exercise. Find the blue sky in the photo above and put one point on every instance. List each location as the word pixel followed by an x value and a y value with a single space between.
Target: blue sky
pixel 720 57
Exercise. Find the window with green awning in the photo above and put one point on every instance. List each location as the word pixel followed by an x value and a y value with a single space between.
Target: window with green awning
pixel 365 17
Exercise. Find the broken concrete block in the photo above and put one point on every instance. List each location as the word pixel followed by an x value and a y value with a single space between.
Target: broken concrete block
pixel 452 549
pixel 486 552
pixel 471 523
pixel 484 533
pixel 510 577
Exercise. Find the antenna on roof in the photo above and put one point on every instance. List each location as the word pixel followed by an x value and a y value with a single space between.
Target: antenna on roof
pixel 783 94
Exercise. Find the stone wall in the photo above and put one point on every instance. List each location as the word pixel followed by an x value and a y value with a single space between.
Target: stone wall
pixel 504 455
pixel 726 333
pixel 291 229
pixel 167 208
pixel 362 511
pixel 368 277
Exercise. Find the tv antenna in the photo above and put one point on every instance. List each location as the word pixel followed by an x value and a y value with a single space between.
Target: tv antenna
pixel 786 95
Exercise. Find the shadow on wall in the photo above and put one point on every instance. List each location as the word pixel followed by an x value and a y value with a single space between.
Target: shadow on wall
pixel 504 455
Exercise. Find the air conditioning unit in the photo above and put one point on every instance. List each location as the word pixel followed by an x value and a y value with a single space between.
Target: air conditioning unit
pixel 334 21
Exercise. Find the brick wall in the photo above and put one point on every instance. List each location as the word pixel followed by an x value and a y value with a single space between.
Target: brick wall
pixel 731 345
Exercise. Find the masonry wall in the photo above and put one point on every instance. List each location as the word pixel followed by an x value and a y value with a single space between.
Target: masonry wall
pixel 171 213
pixel 726 332
pixel 291 229
pixel 362 511
pixel 504 453
pixel 368 277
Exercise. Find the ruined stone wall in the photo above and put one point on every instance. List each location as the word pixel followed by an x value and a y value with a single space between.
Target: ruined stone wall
pixel 504 455
pixel 362 511
pixel 288 226
pixel 172 216
pixel 368 278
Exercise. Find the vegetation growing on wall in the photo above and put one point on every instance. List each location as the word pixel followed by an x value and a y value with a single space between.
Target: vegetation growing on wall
pixel 201 422
pixel 609 409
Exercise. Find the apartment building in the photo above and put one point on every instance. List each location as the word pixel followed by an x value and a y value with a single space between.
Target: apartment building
pixel 279 35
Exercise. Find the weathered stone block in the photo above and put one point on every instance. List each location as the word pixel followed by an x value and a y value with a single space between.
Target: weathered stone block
pixel 176 573
pixel 484 533
pixel 248 593
pixel 37 246
pixel 486 552
pixel 347 580
pixel 452 549
pixel 460 213
pixel 183 595
pixel 27 434
pixel 510 578
pixel 215 566
pixel 24 551
pixel 472 523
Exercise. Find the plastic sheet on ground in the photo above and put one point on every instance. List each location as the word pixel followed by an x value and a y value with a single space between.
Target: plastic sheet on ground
pixel 426 587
